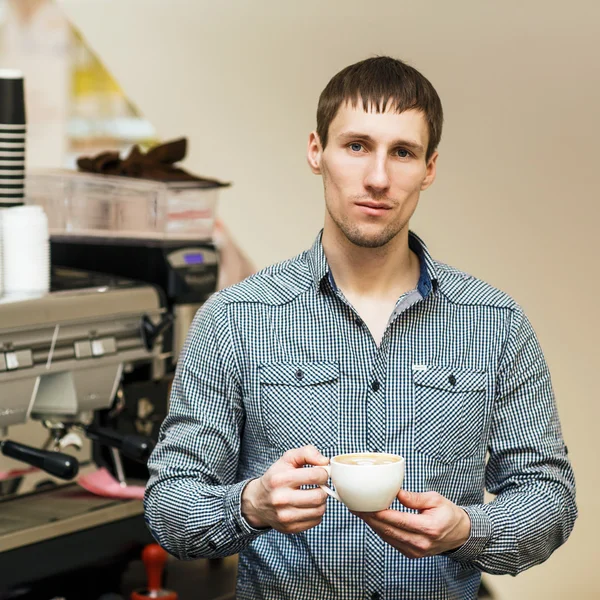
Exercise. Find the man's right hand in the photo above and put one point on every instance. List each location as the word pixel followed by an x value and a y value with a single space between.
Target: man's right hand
pixel 276 500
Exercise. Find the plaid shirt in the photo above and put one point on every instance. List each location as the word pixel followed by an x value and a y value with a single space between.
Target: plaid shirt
pixel 458 386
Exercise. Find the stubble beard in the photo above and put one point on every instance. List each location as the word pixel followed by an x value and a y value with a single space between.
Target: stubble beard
pixel 364 239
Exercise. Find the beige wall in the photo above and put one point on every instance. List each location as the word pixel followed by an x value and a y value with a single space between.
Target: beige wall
pixel 516 200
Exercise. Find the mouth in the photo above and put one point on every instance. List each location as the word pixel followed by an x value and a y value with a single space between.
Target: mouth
pixel 373 208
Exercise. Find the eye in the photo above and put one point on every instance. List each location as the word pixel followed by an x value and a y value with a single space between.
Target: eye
pixel 356 147
pixel 403 153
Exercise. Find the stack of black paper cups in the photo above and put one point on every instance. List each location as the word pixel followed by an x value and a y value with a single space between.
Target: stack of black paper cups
pixel 12 138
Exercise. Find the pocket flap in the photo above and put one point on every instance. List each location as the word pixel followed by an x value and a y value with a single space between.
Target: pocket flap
pixel 450 379
pixel 299 374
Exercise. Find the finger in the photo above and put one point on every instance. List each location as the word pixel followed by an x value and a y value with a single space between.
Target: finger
pixel 308 498
pixel 307 455
pixel 420 501
pixel 411 544
pixel 308 476
pixel 298 526
pixel 394 519
pixel 311 514
pixel 294 516
pixel 414 549
pixel 295 478
pixel 285 498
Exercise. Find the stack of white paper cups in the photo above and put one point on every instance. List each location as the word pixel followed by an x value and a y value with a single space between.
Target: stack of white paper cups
pixel 25 249
pixel 1 258
pixel 12 138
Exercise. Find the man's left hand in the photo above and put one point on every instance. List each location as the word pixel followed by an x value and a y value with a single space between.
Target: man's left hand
pixel 439 526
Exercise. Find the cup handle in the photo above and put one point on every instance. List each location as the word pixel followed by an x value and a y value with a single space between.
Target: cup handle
pixel 328 489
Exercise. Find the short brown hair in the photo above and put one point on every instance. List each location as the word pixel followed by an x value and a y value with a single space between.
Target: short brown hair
pixel 377 81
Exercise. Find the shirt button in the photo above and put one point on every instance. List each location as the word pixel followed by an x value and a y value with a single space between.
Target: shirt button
pixel 452 380
pixel 212 545
pixel 358 322
pixel 299 374
pixel 375 596
pixel 375 386
pixel 237 527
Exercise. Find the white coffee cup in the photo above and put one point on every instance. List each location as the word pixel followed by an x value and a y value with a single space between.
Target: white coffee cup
pixel 365 481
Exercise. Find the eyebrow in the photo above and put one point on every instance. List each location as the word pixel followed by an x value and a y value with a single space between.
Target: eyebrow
pixel 356 135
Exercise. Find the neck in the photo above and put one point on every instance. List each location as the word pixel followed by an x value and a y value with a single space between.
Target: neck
pixel 388 271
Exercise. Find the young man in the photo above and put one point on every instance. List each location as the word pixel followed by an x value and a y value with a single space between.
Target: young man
pixel 363 343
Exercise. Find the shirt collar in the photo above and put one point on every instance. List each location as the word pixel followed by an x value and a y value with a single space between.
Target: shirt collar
pixel 319 268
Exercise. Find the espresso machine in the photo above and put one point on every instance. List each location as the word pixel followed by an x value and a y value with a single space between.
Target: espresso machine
pixel 63 357
pixel 158 233
pixel 186 272
pixel 86 370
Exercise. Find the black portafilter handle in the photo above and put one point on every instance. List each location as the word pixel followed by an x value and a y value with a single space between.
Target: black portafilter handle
pixel 150 331
pixel 137 447
pixel 58 464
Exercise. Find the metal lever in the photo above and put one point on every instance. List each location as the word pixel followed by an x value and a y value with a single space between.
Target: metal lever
pixel 58 464
pixel 136 447
pixel 150 331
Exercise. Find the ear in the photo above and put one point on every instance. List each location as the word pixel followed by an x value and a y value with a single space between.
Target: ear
pixel 430 172
pixel 314 153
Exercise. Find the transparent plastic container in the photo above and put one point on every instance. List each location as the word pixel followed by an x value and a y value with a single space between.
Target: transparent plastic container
pixel 84 204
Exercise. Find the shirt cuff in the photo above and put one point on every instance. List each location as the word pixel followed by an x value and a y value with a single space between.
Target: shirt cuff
pixel 233 510
pixel 481 531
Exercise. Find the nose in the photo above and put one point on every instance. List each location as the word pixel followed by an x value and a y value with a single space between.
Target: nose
pixel 377 178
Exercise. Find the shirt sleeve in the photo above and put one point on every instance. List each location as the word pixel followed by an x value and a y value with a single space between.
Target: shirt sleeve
pixel 193 500
pixel 528 470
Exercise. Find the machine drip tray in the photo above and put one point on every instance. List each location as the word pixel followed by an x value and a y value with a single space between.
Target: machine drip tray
pixel 49 514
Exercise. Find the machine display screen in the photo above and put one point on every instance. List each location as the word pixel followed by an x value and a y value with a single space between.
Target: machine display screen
pixel 197 258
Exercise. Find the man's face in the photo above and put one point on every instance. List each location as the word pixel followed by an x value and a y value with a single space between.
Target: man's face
pixel 373 170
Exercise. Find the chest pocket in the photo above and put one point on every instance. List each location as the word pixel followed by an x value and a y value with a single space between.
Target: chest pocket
pixel 449 412
pixel 300 403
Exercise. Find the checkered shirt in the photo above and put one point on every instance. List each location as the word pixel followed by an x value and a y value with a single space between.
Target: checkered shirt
pixel 458 386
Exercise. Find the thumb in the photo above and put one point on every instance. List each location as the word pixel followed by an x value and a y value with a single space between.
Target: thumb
pixel 418 501
pixel 307 455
